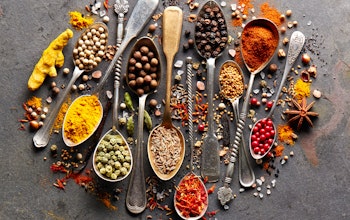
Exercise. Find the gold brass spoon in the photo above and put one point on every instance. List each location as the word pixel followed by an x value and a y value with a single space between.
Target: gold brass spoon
pixel 225 193
pixel 172 26
pixel 42 136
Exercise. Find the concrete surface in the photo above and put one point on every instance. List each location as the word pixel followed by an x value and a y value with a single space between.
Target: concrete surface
pixel 314 184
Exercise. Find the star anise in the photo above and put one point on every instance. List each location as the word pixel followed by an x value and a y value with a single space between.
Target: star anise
pixel 301 113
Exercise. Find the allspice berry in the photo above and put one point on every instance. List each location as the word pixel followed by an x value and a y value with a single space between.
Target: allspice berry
pixel 305 58
pixel 152 28
pixel 273 68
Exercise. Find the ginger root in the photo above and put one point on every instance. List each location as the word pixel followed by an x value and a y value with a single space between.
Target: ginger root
pixel 51 58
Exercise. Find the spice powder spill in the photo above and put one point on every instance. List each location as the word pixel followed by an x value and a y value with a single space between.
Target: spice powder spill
pixel 82 118
pixel 271 13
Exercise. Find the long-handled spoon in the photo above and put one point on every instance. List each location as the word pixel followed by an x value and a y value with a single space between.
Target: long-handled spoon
pixel 231 78
pixel 42 136
pixel 191 175
pixel 210 166
pixel 226 196
pixel 120 7
pixel 172 26
pixel 136 194
pixel 296 44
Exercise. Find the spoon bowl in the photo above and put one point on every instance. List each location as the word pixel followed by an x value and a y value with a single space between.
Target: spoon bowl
pixel 87 126
pixel 112 160
pixel 210 49
pixel 184 190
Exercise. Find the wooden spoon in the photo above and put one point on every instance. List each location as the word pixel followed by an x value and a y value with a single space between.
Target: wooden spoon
pixel 172 26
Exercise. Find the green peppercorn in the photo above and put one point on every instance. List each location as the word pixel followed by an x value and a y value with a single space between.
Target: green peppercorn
pixel 128 101
pixel 148 120
pixel 130 126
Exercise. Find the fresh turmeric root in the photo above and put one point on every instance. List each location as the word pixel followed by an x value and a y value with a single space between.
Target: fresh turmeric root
pixel 51 58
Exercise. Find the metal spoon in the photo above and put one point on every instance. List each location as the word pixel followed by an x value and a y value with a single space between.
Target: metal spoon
pixel 226 194
pixel 191 142
pixel 172 26
pixel 210 167
pixel 42 136
pixel 245 171
pixel 296 44
pixel 136 194
pixel 120 7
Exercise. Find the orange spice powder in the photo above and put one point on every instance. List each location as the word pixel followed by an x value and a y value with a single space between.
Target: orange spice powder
pixel 279 150
pixel 285 134
pixel 246 5
pixel 270 13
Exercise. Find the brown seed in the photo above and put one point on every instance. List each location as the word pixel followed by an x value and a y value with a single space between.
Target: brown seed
pixel 152 28
pixel 273 68
pixel 56 90
pixel 305 58
pixel 153 103
pixel 34 125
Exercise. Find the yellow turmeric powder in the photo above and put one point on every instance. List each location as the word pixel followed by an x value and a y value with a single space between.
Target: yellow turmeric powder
pixel 285 134
pixel 82 118
pixel 51 58
pixel 301 89
pixel 34 102
pixel 78 21
pixel 60 116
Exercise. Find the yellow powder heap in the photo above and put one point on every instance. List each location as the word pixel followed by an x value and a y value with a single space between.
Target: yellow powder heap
pixel 78 21
pixel 82 118
pixel 34 102
pixel 301 89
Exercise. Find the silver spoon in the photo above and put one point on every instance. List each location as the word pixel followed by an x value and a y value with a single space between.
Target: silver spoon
pixel 225 194
pixel 296 44
pixel 136 195
pixel 191 143
pixel 42 136
pixel 120 7
pixel 210 167
pixel 245 171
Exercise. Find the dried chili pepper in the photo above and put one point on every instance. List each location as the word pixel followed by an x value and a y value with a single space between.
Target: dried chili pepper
pixel 211 189
pixel 212 213
pixel 191 198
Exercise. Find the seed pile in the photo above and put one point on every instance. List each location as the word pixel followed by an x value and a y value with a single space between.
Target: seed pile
pixel 263 136
pixel 211 31
pixel 112 159
pixel 142 70
pixel 165 148
pixel 90 48
pixel 231 82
